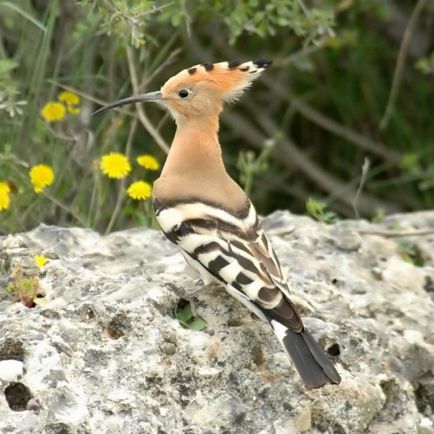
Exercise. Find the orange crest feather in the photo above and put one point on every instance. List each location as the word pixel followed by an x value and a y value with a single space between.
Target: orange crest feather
pixel 227 79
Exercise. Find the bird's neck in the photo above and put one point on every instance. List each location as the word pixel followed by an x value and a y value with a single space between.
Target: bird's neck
pixel 195 147
pixel 194 168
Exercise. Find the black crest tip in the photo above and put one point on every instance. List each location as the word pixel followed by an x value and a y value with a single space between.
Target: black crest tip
pixel 263 63
pixel 233 64
pixel 208 66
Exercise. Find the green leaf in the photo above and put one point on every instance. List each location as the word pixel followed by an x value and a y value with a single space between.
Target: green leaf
pixel 7 65
pixel 318 210
pixel 184 314
pixel 197 324
pixel 315 207
pixel 183 311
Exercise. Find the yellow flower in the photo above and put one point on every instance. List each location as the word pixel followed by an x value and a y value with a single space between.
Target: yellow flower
pixel 148 162
pixel 139 190
pixel 115 165
pixel 41 176
pixel 5 199
pixel 71 100
pixel 74 110
pixel 40 261
pixel 53 111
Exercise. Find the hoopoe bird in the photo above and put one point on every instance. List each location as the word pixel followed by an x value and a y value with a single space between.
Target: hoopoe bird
pixel 202 210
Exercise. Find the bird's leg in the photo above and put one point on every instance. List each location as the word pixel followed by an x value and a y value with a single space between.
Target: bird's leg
pixel 203 287
pixel 205 280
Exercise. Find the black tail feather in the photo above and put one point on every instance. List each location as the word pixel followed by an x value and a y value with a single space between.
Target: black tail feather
pixel 310 360
pixel 321 357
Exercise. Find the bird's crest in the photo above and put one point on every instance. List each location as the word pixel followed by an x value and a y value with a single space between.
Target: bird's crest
pixel 227 79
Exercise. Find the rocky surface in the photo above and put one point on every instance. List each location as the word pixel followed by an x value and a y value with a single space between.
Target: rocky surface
pixel 102 350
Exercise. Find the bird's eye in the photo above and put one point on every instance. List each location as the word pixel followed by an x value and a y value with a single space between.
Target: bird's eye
pixel 183 93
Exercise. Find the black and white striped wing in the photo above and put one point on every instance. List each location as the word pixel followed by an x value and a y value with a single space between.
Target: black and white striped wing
pixel 234 251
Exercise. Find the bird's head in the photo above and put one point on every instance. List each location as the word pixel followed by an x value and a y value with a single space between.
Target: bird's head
pixel 201 90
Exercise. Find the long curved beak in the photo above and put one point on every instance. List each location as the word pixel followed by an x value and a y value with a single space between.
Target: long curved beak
pixel 146 97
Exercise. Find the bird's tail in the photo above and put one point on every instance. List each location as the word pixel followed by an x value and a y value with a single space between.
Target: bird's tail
pixel 310 360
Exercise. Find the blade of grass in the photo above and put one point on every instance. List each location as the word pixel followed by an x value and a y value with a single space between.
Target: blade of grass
pixel 37 76
pixel 25 15
pixel 402 55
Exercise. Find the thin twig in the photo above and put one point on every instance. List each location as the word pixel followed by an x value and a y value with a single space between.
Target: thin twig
pixel 292 157
pixel 121 195
pixel 395 234
pixel 170 58
pixel 163 121
pixel 47 195
pixel 65 208
pixel 288 148
pixel 80 93
pixel 403 49
pixel 281 231
pixel 330 124
pixel 305 10
pixel 144 120
pixel 93 197
pixel 365 170
pixel 132 70
pixel 306 51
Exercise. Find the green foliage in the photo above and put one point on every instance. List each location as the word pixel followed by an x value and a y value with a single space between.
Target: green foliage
pixel 426 64
pixel 184 314
pixel 126 19
pixel 251 166
pixel 132 20
pixel 8 91
pixel 410 252
pixel 318 210
pixel 23 287
pixel 265 18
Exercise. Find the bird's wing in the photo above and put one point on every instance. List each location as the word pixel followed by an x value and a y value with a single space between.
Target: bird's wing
pixel 235 251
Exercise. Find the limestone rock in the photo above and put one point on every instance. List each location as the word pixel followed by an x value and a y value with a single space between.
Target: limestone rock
pixel 102 350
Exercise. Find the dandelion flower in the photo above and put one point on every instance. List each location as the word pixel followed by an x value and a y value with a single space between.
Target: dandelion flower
pixel 139 190
pixel 53 111
pixel 71 100
pixel 115 165
pixel 41 176
pixel 148 162
pixel 74 110
pixel 5 199
pixel 40 261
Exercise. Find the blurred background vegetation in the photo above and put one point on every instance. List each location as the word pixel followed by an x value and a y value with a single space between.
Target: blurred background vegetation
pixel 340 126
